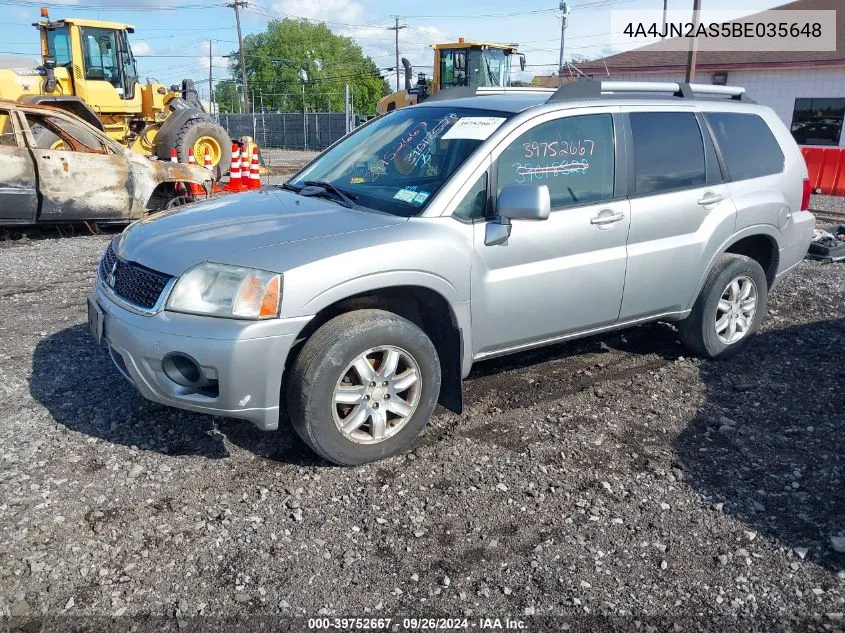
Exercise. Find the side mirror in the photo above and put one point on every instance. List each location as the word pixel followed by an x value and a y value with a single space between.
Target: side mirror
pixel 524 202
pixel 517 202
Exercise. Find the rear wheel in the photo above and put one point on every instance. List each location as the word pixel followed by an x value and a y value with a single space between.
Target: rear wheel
pixel 729 309
pixel 363 387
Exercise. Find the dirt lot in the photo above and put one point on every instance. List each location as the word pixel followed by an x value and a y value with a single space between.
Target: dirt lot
pixel 610 482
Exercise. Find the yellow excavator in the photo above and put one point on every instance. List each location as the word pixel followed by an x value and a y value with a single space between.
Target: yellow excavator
pixel 461 63
pixel 87 68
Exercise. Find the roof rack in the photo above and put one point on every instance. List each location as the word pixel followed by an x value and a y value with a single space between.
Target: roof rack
pixel 597 89
pixel 593 89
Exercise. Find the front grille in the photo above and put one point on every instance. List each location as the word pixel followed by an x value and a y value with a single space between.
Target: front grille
pixel 132 282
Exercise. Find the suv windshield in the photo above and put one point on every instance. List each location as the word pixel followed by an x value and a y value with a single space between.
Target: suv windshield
pixel 399 161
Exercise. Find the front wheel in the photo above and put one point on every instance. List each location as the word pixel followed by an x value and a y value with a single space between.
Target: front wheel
pixel 204 137
pixel 363 387
pixel 729 309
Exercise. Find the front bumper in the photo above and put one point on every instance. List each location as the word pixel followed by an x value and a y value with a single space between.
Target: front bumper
pixel 243 361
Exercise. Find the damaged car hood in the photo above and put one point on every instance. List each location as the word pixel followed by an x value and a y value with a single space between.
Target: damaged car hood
pixel 227 229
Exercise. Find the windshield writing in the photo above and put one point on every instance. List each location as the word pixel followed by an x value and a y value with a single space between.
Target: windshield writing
pixel 396 163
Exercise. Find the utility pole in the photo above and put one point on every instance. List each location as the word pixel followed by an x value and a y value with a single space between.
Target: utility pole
pixel 564 13
pixel 396 28
pixel 665 9
pixel 210 83
pixel 693 48
pixel 236 5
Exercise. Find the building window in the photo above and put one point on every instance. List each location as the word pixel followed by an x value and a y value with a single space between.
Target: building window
pixel 818 121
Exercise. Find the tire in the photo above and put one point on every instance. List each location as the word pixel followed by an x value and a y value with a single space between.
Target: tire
pixel 325 362
pixel 698 332
pixel 188 135
pixel 44 138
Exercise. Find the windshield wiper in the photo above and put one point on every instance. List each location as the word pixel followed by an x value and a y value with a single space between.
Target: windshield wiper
pixel 348 199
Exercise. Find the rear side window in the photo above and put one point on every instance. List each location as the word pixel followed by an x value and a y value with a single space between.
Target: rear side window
pixel 748 145
pixel 668 151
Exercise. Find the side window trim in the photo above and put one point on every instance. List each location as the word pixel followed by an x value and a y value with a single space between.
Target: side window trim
pixel 488 202
pixel 486 165
pixel 715 172
pixel 619 184
pixel 16 134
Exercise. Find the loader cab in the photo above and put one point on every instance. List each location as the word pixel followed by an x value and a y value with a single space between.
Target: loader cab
pixel 100 65
pixel 107 57
pixel 474 64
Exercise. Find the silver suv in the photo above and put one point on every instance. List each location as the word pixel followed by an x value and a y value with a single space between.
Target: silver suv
pixel 357 296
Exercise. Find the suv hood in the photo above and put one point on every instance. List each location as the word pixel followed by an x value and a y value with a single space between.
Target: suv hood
pixel 226 229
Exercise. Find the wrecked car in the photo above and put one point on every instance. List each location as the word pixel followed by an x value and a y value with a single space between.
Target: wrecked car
pixel 83 174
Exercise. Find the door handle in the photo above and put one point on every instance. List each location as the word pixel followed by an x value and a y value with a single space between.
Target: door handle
pixel 609 218
pixel 710 198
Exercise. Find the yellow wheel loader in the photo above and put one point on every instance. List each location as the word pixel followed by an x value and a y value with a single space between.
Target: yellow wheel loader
pixel 461 63
pixel 89 70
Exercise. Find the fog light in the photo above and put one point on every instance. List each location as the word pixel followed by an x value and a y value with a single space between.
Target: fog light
pixel 182 369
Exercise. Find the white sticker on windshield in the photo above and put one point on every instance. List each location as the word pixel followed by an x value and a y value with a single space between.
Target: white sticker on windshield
pixel 405 195
pixel 474 127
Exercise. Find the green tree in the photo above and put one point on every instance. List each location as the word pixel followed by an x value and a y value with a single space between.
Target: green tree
pixel 226 97
pixel 275 58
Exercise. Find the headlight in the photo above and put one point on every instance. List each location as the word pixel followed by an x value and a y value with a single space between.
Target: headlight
pixel 227 291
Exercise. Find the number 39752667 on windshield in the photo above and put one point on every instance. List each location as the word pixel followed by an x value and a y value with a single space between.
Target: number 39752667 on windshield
pixel 552 149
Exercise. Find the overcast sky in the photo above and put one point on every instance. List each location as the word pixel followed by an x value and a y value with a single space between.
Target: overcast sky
pixel 171 40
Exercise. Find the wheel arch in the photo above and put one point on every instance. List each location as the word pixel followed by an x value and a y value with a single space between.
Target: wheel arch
pixel 760 243
pixel 426 307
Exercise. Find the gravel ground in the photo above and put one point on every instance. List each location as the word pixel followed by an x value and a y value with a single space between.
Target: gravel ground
pixel 281 163
pixel 611 482
pixel 828 203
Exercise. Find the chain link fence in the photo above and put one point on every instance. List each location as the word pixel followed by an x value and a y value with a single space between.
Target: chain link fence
pixel 289 130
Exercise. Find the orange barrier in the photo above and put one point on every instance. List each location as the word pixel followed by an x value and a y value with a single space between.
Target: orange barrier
pixel 826 169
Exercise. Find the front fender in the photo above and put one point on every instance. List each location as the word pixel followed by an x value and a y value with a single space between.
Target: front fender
pixel 430 253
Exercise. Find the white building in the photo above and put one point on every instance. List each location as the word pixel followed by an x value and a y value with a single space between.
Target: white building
pixel 807 89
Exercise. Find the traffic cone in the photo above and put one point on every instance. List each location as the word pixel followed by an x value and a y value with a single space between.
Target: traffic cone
pixel 235 181
pixel 254 177
pixel 195 189
pixel 174 159
pixel 215 188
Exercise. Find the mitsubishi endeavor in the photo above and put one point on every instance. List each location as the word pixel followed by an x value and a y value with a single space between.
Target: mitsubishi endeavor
pixel 482 222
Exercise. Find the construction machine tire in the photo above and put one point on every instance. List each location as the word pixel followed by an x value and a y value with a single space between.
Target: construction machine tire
pixel 45 139
pixel 199 133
